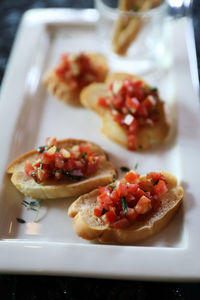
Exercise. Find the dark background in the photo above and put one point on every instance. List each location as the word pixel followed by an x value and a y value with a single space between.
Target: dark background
pixel 17 287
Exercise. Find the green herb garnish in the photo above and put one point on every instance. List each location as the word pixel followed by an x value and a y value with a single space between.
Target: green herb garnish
pixel 136 166
pixel 21 221
pixel 114 178
pixel 124 205
pixel 57 149
pixel 33 205
pixel 156 182
pixel 41 165
pixel 34 176
pixel 84 154
pixel 111 186
pixel 124 169
pixel 38 210
pixel 153 89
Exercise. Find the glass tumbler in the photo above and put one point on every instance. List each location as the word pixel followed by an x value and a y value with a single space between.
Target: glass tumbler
pixel 131 33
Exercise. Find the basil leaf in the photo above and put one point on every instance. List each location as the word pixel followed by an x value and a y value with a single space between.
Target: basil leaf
pixel 124 205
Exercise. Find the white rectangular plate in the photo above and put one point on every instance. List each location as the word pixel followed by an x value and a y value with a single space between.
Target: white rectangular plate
pixel 28 115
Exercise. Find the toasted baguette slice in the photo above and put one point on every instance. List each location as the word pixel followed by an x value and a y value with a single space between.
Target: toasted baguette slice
pixel 87 226
pixel 61 89
pixel 146 137
pixel 64 188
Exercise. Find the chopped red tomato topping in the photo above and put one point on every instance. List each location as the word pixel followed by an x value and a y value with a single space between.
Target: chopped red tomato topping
pixel 122 202
pixel 77 71
pixel 132 177
pixel 133 105
pixel 60 163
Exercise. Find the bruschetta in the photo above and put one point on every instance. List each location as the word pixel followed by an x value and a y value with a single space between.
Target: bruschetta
pixel 128 210
pixel 132 113
pixel 74 72
pixel 61 169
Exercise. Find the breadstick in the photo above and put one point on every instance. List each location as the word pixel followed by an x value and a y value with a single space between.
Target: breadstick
pixel 126 32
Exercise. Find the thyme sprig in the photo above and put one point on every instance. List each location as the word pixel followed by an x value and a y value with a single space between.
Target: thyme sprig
pixel 34 205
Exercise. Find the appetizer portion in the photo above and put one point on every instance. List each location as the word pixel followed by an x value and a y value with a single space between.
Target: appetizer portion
pixel 74 72
pixel 132 113
pixel 128 210
pixel 130 22
pixel 61 169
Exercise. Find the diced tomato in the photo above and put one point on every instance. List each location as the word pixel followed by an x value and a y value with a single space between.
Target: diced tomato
pixel 102 102
pixel 131 214
pixel 50 141
pixel 103 189
pixel 142 110
pixel 122 190
pixel 91 168
pixel 118 118
pixel 115 196
pixel 155 202
pixel 123 223
pixel 132 142
pixel 132 188
pixel 104 200
pixel 160 188
pixel 155 176
pixel 84 148
pixel 149 102
pixel 110 216
pixel 48 158
pixel 139 193
pixel 42 175
pixel 69 165
pixel 98 212
pixel 133 128
pixel 133 103
pixel 57 175
pixel 110 87
pixel 28 168
pixel 132 177
pixel 117 101
pixel 59 161
pixel 143 205
pixel 146 185
pixel 79 164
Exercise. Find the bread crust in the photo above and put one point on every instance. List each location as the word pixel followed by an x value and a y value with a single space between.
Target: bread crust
pixel 64 188
pixel 61 89
pixel 146 137
pixel 86 226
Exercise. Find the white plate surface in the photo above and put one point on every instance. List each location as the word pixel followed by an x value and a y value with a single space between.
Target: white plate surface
pixel 28 115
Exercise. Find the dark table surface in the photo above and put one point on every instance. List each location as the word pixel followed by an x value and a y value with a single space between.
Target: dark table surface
pixel 17 287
